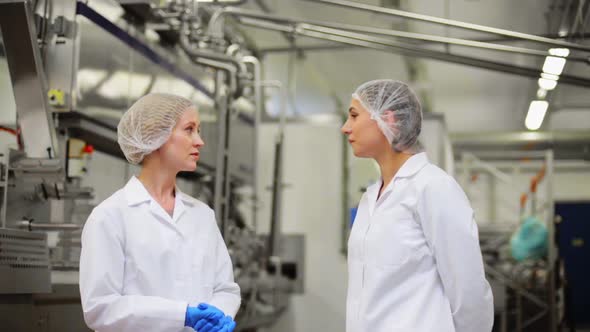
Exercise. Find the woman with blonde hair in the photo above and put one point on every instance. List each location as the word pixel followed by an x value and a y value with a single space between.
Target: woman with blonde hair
pixel 153 258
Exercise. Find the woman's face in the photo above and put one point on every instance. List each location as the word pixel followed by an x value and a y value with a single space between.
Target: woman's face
pixel 364 135
pixel 181 151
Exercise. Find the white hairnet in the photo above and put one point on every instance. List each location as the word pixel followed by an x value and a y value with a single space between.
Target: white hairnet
pixel 148 123
pixel 381 96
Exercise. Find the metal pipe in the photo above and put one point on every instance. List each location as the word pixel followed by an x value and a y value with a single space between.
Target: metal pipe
pixel 400 34
pixel 257 120
pixel 31 225
pixel 453 23
pixel 387 45
pixel 552 250
pixel 428 53
pixel 232 50
pixel 283 114
pixel 215 25
pixel 229 68
pixel 476 162
pixel 220 197
pixel 203 53
pixel 327 47
pixel 195 52
pixel 451 41
pixel 168 15
pixel 275 226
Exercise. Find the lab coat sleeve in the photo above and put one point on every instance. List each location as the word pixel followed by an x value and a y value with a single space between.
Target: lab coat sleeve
pixel 102 264
pixel 226 293
pixel 450 229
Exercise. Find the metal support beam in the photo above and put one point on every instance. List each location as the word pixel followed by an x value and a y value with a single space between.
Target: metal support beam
pixel 29 83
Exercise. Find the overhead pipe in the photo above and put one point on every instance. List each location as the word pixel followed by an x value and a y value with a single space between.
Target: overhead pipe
pixel 390 32
pixel 388 45
pixel 453 23
pixel 236 69
pixel 203 53
pixel 194 51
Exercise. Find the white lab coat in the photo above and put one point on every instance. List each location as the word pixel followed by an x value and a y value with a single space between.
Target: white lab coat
pixel 140 268
pixel 414 260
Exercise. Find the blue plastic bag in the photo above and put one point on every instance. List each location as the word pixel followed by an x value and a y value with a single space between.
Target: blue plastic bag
pixel 530 240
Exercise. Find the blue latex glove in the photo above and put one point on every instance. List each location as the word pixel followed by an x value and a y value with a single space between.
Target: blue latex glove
pixel 205 313
pixel 226 324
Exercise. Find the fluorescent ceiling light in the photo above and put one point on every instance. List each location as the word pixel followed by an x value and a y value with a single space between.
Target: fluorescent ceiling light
pixel 547 84
pixel 536 114
pixel 553 65
pixel 563 52
pixel 541 93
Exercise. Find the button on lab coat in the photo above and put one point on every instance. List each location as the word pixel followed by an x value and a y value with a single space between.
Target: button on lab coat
pixel 140 267
pixel 414 259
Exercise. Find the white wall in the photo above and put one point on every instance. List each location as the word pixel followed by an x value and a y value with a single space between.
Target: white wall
pixel 311 206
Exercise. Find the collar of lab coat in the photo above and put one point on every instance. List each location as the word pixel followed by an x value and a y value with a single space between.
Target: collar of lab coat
pixel 136 193
pixel 414 164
